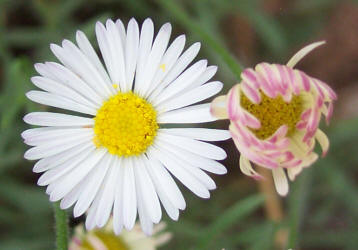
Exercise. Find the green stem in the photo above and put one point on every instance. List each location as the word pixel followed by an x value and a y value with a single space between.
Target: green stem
pixel 61 227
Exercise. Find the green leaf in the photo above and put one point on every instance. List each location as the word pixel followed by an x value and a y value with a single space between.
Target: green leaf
pixel 229 218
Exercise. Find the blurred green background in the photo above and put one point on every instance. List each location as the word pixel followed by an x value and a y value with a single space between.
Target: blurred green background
pixel 321 210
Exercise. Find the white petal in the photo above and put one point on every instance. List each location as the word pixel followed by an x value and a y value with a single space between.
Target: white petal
pixel 118 202
pixel 57 159
pixel 73 81
pixel 183 81
pixel 218 107
pixel 154 58
pixel 59 102
pixel 70 180
pixel 169 207
pixel 54 147
pixel 94 181
pixel 117 69
pixel 37 131
pixel 46 136
pixel 72 196
pixel 169 59
pixel 148 194
pixel 87 49
pixel 165 182
pixel 180 65
pixel 280 180
pixel 193 114
pixel 60 89
pixel 193 96
pixel 56 119
pixel 196 160
pixel 129 195
pixel 303 52
pixel 203 134
pixel 74 60
pixel 145 221
pixel 145 45
pixel 178 171
pixel 109 186
pixel 122 32
pixel 322 140
pixel 209 72
pixel 91 215
pixel 131 50
pixel 198 147
pixel 246 168
pixel 62 169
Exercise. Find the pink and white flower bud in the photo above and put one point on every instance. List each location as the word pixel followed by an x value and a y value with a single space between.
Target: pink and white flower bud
pixel 275 113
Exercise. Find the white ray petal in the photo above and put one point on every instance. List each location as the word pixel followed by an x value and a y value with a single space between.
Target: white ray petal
pixel 203 134
pixel 192 96
pixel 178 171
pixel 183 81
pixel 59 102
pixel 122 33
pixel 184 60
pixel 169 207
pixel 56 119
pixel 74 60
pixel 154 58
pixel 194 114
pixel 55 147
pixel 145 221
pixel 209 72
pixel 109 186
pixel 145 45
pixel 44 137
pixel 280 181
pixel 164 180
pixel 73 81
pixel 95 180
pixel 60 89
pixel 303 52
pixel 57 159
pixel 91 215
pixel 118 200
pixel 196 160
pixel 117 55
pixel 71 180
pixel 72 196
pixel 147 189
pixel 129 195
pixel 198 147
pixel 62 169
pixel 38 131
pixel 131 52
pixel 87 49
pixel 169 59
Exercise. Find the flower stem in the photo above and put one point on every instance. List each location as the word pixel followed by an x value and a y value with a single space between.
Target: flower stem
pixel 61 227
pixel 273 206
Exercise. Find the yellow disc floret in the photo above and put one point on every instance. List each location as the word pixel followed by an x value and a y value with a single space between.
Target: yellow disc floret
pixel 126 125
pixel 273 113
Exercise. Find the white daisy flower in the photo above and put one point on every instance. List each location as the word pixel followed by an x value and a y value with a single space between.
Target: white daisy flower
pixel 116 158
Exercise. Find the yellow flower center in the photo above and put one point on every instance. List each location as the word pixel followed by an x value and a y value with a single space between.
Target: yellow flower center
pixel 273 113
pixel 110 240
pixel 126 125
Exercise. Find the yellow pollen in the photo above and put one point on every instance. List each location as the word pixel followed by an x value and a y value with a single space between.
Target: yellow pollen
pixel 109 239
pixel 126 125
pixel 162 67
pixel 273 113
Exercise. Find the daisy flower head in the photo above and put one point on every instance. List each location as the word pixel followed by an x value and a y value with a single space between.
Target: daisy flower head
pixel 274 117
pixel 105 238
pixel 115 157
